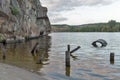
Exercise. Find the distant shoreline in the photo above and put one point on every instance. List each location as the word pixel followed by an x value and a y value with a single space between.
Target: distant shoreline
pixel 111 26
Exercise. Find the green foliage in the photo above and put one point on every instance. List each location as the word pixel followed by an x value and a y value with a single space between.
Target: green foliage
pixel 111 26
pixel 14 11
pixel 1 37
pixel 112 23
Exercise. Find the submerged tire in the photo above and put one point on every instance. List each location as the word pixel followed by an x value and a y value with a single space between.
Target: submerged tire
pixel 101 41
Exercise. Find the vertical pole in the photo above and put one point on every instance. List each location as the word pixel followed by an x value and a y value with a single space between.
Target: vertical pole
pixel 112 58
pixel 68 46
pixel 67 59
pixel 67 56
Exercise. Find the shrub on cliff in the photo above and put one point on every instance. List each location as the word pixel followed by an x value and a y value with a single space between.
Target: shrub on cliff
pixel 1 37
pixel 14 11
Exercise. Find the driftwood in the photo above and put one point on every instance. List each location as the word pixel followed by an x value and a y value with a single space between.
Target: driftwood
pixel 74 50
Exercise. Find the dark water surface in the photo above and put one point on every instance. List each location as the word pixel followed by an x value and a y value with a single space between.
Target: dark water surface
pixel 88 63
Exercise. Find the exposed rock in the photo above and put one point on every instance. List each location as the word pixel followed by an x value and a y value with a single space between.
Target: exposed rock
pixel 23 18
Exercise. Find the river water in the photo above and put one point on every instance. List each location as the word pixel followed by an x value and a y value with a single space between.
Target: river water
pixel 87 63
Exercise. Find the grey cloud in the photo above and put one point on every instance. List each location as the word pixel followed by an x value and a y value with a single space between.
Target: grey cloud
pixel 56 20
pixel 56 17
pixel 57 6
pixel 95 2
pixel 61 5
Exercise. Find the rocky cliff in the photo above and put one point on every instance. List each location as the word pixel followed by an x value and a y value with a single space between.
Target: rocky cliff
pixel 22 18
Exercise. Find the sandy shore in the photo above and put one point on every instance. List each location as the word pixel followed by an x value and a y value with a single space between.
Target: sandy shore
pixel 8 72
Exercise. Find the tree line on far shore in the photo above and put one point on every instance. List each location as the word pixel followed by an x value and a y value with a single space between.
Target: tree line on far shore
pixel 110 26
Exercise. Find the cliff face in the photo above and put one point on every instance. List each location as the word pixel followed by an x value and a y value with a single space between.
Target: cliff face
pixel 23 18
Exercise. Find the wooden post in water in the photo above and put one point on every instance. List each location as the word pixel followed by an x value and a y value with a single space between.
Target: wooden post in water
pixel 34 48
pixel 112 58
pixel 68 46
pixel 67 54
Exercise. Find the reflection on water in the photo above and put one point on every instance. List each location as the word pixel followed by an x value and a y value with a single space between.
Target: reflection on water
pixel 20 54
pixel 67 71
pixel 111 62
pixel 88 63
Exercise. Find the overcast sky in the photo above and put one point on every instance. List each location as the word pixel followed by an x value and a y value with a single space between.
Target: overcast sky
pixel 77 12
